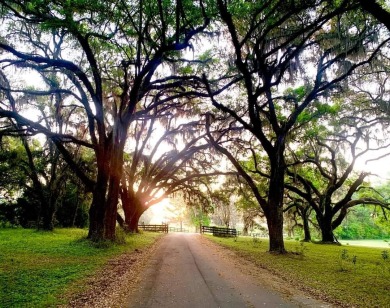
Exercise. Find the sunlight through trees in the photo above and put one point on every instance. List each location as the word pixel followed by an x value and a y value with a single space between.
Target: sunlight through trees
pixel 251 112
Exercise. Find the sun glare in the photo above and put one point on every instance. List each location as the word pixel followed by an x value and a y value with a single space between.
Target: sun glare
pixel 159 212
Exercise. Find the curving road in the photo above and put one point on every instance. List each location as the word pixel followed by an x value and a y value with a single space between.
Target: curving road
pixel 183 272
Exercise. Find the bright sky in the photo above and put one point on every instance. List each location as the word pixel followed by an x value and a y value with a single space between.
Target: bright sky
pixel 370 163
pixel 380 167
pixel 159 212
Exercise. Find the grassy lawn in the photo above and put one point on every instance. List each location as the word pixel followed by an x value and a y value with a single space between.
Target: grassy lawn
pixel 349 275
pixel 38 268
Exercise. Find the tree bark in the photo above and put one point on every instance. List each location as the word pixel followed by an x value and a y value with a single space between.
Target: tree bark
pixel 133 218
pixel 120 220
pixel 103 211
pixel 306 230
pixel 247 224
pixel 274 209
pixel 304 213
pixel 115 175
pixel 48 210
pixel 275 229
pixel 133 209
pixel 97 209
pixel 325 224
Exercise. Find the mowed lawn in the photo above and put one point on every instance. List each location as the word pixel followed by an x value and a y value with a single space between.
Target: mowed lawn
pixel 40 269
pixel 347 275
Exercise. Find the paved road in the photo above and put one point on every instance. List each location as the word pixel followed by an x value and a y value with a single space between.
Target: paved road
pixel 185 273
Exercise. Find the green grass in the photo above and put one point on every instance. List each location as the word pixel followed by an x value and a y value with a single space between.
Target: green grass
pixel 322 268
pixel 38 268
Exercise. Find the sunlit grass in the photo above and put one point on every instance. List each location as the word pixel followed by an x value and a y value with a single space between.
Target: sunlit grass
pixel 363 283
pixel 38 268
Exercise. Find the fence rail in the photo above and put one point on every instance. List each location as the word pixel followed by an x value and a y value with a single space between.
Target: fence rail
pixel 173 229
pixel 154 228
pixel 216 231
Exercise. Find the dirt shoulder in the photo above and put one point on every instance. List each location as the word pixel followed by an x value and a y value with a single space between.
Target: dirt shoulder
pixel 111 286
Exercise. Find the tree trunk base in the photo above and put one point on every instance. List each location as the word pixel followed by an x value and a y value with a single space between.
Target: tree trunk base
pixel 278 252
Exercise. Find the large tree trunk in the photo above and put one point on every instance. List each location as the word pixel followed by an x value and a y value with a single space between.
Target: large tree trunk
pixel 120 220
pixel 248 222
pixel 97 209
pixel 275 229
pixel 133 209
pixel 103 212
pixel 132 223
pixel 48 214
pixel 48 219
pixel 327 234
pixel 325 224
pixel 306 229
pixel 116 170
pixel 52 193
pixel 133 213
pixel 274 209
pixel 96 213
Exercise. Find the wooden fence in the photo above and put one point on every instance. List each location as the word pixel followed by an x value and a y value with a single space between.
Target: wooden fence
pixel 216 231
pixel 154 228
pixel 173 229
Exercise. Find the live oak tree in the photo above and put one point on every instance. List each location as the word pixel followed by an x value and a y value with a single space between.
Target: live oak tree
pixel 363 114
pixel 322 171
pixel 107 56
pixel 298 212
pixel 273 43
pixel 223 201
pixel 168 154
pixel 35 183
pixel 42 164
pixel 248 207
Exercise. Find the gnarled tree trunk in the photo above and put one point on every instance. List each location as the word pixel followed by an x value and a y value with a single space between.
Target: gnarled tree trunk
pixel 325 223
pixel 133 208
pixel 103 211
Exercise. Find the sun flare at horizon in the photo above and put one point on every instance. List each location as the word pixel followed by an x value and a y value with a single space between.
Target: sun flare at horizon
pixel 159 212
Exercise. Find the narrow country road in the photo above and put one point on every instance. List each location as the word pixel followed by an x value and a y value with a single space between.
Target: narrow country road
pixel 184 272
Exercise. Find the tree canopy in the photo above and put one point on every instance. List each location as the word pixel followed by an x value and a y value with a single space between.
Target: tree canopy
pixel 142 99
